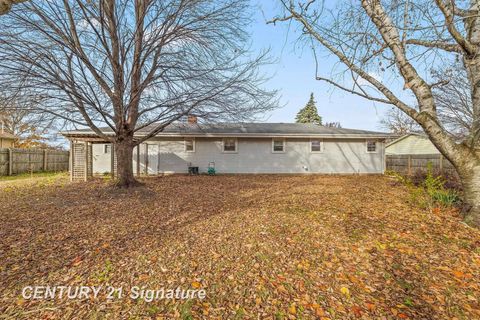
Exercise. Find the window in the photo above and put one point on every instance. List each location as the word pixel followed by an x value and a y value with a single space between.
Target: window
pixel 371 146
pixel 278 145
pixel 190 145
pixel 316 145
pixel 229 145
pixel 107 148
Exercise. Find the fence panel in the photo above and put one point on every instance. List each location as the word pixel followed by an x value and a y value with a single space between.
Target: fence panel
pixel 16 161
pixel 3 162
pixel 411 163
pixel 57 161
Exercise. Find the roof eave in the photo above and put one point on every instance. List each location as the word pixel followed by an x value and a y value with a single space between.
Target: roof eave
pixel 241 135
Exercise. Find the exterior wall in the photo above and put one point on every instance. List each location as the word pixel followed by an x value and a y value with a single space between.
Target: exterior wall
pixel 101 160
pixel 6 143
pixel 254 155
pixel 412 144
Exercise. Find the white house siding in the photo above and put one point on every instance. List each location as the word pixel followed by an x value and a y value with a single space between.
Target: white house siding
pixel 254 155
pixel 412 144
pixel 101 160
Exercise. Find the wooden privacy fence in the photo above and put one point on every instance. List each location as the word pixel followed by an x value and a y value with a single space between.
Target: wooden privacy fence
pixel 15 161
pixel 411 163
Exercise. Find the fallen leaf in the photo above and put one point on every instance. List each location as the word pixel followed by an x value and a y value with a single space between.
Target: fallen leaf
pixel 370 306
pixel 76 261
pixel 292 309
pixel 345 291
pixel 357 311
pixel 458 274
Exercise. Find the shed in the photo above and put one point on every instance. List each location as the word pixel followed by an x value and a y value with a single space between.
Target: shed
pixel 7 139
pixel 412 143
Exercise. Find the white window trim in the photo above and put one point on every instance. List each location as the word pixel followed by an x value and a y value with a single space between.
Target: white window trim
pixel 284 145
pixel 321 146
pixel 185 145
pixel 105 146
pixel 376 146
pixel 223 145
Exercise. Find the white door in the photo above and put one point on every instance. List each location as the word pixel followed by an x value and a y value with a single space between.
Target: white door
pixel 152 151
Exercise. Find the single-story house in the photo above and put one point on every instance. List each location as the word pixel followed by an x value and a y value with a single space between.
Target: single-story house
pixel 7 140
pixel 412 143
pixel 236 148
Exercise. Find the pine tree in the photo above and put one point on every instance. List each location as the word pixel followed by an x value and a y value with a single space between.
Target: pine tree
pixel 309 113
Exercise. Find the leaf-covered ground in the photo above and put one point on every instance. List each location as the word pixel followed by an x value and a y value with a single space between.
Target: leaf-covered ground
pixel 262 247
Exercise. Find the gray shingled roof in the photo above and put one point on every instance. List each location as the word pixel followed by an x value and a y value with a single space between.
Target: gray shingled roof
pixel 246 129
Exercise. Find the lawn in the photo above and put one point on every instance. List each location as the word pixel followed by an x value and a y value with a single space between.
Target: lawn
pixel 37 178
pixel 262 247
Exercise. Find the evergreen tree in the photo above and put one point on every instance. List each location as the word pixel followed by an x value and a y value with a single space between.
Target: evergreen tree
pixel 309 113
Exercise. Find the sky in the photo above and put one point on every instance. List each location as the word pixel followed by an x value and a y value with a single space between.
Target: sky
pixel 293 74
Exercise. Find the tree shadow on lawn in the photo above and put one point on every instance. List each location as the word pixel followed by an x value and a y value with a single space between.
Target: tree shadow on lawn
pixel 87 222
pixel 69 233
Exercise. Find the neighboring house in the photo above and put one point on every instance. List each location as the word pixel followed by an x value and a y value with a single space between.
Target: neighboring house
pixel 238 148
pixel 412 143
pixel 7 139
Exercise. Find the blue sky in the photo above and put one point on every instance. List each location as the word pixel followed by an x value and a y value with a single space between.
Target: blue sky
pixel 294 72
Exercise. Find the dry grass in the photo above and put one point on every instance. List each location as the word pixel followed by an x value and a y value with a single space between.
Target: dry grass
pixel 29 179
pixel 273 247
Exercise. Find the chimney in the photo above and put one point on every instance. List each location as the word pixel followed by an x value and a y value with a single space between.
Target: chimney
pixel 191 119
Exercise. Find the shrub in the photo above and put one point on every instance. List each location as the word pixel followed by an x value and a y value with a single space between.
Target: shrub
pixel 452 181
pixel 429 188
pixel 432 183
pixel 445 197
pixel 400 178
pixel 435 186
pixel 450 178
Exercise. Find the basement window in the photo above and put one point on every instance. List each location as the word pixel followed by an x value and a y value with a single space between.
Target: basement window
pixel 189 145
pixel 371 146
pixel 230 145
pixel 278 145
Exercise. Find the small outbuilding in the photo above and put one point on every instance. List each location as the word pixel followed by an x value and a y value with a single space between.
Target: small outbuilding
pixel 7 140
pixel 411 144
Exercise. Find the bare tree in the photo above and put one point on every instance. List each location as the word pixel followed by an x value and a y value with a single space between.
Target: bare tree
pixel 454 100
pixel 386 48
pixel 333 124
pixel 6 5
pixel 133 64
pixel 398 122
pixel 34 129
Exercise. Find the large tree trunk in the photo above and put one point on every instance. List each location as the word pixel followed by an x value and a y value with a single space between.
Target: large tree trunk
pixel 471 184
pixel 124 152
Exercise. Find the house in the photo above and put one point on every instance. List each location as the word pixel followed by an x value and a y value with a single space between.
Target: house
pixel 7 139
pixel 237 148
pixel 412 143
